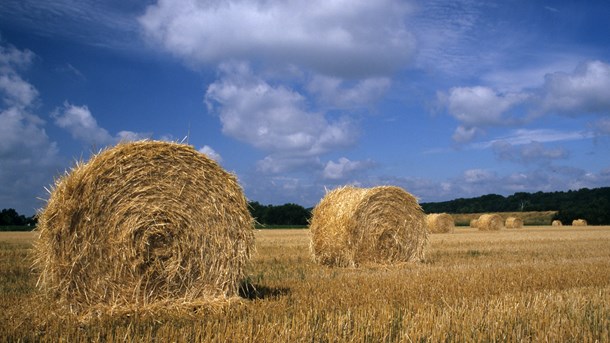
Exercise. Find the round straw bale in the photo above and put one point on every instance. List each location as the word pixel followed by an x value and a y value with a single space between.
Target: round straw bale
pixel 140 224
pixel 490 222
pixel 474 223
pixel 579 222
pixel 556 223
pixel 440 223
pixel 513 223
pixel 351 226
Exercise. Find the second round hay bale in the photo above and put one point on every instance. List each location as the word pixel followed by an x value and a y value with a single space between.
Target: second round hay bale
pixel 579 222
pixel 353 226
pixel 490 222
pixel 140 224
pixel 474 223
pixel 556 223
pixel 440 223
pixel 513 223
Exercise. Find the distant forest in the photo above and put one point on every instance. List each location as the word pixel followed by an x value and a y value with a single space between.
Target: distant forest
pixel 590 204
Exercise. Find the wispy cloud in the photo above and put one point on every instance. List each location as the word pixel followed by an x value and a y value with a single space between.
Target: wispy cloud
pixel 526 136
pixel 101 23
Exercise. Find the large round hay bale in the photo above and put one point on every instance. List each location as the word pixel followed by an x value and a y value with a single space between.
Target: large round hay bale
pixel 381 225
pixel 490 222
pixel 579 222
pixel 513 223
pixel 144 223
pixel 556 223
pixel 440 223
pixel 474 223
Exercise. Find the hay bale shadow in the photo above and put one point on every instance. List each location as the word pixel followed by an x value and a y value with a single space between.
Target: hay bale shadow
pixel 250 291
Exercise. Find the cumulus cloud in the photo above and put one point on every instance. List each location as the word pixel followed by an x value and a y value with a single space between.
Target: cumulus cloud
pixel 81 124
pixel 273 118
pixel 211 153
pixel 343 168
pixel 583 90
pixel 481 106
pixel 332 91
pixel 28 157
pixel 464 134
pixel 333 37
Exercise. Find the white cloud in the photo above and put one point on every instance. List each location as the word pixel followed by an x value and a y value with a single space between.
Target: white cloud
pixel 332 37
pixel 211 153
pixel 81 124
pixel 526 136
pixel 478 176
pixel 464 134
pixel 333 92
pixel 28 157
pixel 273 118
pixel 481 106
pixel 282 163
pixel 16 91
pixel 584 90
pixel 343 168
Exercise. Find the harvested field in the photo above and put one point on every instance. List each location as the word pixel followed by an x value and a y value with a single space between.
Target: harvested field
pixel 539 283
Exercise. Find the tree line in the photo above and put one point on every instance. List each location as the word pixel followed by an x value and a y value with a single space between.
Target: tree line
pixel 590 204
pixel 10 217
pixel 287 214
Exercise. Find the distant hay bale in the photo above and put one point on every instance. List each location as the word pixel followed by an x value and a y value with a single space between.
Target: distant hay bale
pixel 142 224
pixel 513 223
pixel 556 223
pixel 440 223
pixel 351 226
pixel 474 223
pixel 490 222
pixel 579 222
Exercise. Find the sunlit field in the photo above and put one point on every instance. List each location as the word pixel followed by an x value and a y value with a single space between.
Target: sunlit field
pixel 538 283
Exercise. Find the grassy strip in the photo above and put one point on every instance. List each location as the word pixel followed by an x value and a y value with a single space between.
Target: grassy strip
pixel 283 227
pixel 17 228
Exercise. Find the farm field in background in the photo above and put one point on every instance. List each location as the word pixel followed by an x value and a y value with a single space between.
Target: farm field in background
pixel 532 284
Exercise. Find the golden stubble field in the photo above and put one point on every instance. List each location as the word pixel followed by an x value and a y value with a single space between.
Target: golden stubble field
pixel 532 284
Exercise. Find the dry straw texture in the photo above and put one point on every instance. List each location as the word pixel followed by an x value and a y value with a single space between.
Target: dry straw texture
pixel 490 222
pixel 556 223
pixel 440 223
pixel 353 226
pixel 579 222
pixel 143 225
pixel 513 223
pixel 474 223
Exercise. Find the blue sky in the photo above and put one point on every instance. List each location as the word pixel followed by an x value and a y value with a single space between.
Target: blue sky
pixel 446 99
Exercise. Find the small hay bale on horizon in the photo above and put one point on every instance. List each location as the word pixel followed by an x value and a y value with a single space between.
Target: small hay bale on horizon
pixel 556 223
pixel 490 222
pixel 513 223
pixel 474 222
pixel 351 226
pixel 440 223
pixel 579 222
pixel 140 225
